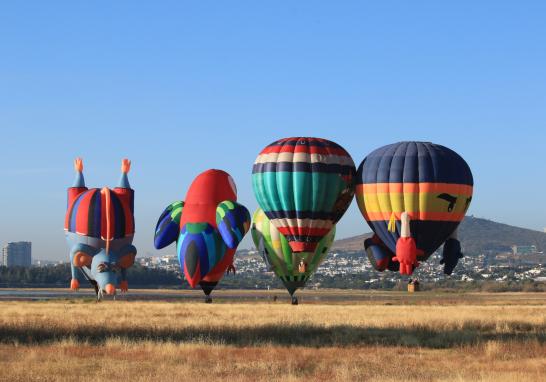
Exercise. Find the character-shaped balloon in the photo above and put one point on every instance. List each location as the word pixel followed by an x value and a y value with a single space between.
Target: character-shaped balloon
pixel 99 227
pixel 413 195
pixel 304 186
pixel 293 269
pixel 207 227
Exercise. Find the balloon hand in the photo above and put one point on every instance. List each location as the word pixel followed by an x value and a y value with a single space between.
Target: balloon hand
pixel 406 255
pixel 125 166
pixel 78 164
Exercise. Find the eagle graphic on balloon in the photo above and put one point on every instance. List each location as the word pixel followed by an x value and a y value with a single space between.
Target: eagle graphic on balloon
pixel 413 195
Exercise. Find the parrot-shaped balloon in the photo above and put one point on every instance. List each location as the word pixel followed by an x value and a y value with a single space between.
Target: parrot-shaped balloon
pixel 293 269
pixel 207 227
pixel 413 195
pixel 304 186
pixel 99 227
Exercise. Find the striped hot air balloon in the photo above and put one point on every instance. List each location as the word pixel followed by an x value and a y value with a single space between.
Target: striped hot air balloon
pixel 426 185
pixel 101 213
pixel 304 186
pixel 293 269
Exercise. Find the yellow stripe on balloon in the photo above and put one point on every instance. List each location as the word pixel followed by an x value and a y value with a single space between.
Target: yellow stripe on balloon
pixel 409 202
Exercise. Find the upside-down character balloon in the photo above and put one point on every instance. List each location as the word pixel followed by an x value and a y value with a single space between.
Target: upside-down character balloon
pixel 413 195
pixel 293 269
pixel 207 227
pixel 304 186
pixel 99 227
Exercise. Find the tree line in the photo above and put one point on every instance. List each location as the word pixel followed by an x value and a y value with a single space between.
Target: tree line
pixel 144 277
pixel 59 276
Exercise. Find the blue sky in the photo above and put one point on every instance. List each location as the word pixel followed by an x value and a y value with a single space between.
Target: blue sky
pixel 179 87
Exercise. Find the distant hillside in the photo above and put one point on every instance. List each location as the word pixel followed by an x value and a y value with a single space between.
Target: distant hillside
pixel 477 236
pixel 480 235
pixel 355 243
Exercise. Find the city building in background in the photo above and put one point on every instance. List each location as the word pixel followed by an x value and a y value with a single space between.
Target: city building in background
pixel 524 249
pixel 17 254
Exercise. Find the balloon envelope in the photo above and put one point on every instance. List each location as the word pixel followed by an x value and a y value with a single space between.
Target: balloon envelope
pixel 207 227
pixel 304 186
pixel 280 258
pixel 431 182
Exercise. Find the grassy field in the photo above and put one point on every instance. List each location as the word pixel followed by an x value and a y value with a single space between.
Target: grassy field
pixel 388 336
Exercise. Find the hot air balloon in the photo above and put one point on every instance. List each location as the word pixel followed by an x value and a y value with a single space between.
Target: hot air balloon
pixel 304 186
pixel 99 227
pixel 413 195
pixel 207 227
pixel 293 269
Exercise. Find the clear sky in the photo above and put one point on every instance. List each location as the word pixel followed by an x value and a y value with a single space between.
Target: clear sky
pixel 179 87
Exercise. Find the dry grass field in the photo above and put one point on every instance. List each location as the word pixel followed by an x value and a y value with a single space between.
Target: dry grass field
pixel 422 337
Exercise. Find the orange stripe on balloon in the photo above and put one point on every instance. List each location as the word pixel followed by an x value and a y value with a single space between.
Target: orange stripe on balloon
pixel 108 204
pixel 433 216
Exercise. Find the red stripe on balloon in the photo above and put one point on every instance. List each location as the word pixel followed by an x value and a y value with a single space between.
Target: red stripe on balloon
pixel 305 149
pixel 82 214
pixel 304 231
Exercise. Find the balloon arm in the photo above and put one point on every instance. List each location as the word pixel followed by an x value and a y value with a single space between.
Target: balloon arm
pixel 124 284
pixel 79 180
pixel 76 274
pixel 378 256
pixel 233 222
pixel 375 239
pixel 168 226
pixel 79 275
pixel 451 255
pixel 124 181
pixel 125 168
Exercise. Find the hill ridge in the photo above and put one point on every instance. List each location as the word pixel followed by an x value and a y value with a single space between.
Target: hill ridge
pixel 477 235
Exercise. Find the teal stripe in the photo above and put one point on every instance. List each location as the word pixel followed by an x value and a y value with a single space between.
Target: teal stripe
pixel 211 249
pixel 300 191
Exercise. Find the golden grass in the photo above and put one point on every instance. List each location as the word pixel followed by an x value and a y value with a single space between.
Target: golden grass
pixel 141 341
